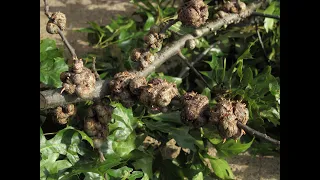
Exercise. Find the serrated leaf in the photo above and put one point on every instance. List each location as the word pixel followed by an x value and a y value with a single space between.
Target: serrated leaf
pixel 123 148
pixel 220 167
pixel 50 75
pixel 149 22
pixel 145 164
pixel 231 148
pixel 124 124
pixel 47 44
pixel 173 117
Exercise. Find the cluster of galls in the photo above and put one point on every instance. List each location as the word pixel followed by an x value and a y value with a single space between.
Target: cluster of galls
pixel 62 113
pixel 127 87
pixel 96 123
pixel 231 7
pixel 193 13
pixel 56 21
pixel 153 40
pixel 143 57
pixel 79 80
pixel 224 115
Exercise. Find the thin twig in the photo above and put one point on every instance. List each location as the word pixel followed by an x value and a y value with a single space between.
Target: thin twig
pixel 277 17
pixel 46 9
pixel 260 40
pixel 94 69
pixel 257 133
pixel 185 60
pixel 64 39
pixel 168 25
pixel 198 58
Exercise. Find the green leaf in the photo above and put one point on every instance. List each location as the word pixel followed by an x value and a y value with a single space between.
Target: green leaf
pixel 135 175
pixel 269 22
pixel 247 77
pixel 52 166
pixel 173 117
pixel 65 142
pixel 198 176
pixel 183 138
pixel 124 124
pixel 123 148
pixel 145 164
pixel 120 173
pixel 239 69
pixel 50 75
pixel 42 138
pixel 93 176
pixel 231 148
pixel 93 167
pixel 207 92
pixel 150 21
pixel 47 45
pixel 272 115
pixel 181 134
pixel 220 167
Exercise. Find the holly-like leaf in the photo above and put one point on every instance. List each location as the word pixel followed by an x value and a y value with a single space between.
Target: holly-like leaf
pixel 220 167
pixel 52 166
pixel 124 123
pixel 231 148
pixel 145 164
pixel 50 72
pixel 181 134
pixel 150 21
pixel 123 148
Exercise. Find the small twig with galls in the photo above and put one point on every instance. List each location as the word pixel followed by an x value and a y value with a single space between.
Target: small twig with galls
pixel 257 133
pixel 185 60
pixel 277 17
pixel 198 58
pixel 94 68
pixel 64 39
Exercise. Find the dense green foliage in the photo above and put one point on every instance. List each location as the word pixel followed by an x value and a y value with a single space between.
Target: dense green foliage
pixel 237 68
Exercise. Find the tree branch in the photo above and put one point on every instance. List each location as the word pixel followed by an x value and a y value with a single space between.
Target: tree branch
pixel 53 98
pixel 257 133
pixel 94 69
pixel 64 39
